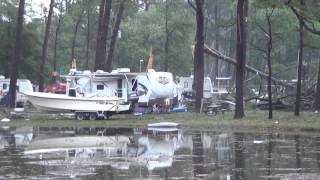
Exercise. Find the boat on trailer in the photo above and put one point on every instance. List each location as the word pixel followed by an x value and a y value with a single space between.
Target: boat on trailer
pixel 89 95
pixel 97 95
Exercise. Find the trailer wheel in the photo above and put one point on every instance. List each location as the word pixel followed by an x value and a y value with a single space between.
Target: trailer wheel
pixel 93 116
pixel 80 116
pixel 107 115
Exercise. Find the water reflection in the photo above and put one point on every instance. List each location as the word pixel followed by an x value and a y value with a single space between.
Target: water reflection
pixel 155 153
pixel 197 155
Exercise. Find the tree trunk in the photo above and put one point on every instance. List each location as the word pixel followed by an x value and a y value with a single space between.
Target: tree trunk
pixel 75 32
pixel 316 104
pixel 199 55
pixel 88 36
pixel 298 93
pixel 242 13
pixel 230 68
pixel 216 44
pixel 14 74
pixel 45 48
pixel 146 5
pixel 166 45
pixel 102 34
pixel 114 36
pixel 268 16
pixel 55 48
pixel 54 77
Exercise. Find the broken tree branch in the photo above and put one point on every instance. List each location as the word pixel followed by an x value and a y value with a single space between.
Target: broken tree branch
pixel 215 53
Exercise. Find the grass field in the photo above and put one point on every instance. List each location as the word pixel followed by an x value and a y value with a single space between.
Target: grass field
pixel 254 120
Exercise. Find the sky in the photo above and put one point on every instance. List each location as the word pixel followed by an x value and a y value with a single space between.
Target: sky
pixel 36 6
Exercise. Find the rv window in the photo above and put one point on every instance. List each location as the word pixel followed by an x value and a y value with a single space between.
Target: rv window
pixel 4 86
pixel 134 84
pixel 100 87
pixel 185 85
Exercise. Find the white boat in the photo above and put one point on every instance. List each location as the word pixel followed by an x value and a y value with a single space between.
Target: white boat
pixel 90 95
pixel 65 103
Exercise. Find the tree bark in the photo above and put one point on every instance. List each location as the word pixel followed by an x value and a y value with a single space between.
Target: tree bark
pixel 146 5
pixel 298 93
pixel 88 36
pixel 114 36
pixel 216 44
pixel 14 74
pixel 75 32
pixel 166 45
pixel 45 48
pixel 242 13
pixel 268 16
pixel 55 48
pixel 104 17
pixel 230 68
pixel 199 55
pixel 316 104
pixel 56 40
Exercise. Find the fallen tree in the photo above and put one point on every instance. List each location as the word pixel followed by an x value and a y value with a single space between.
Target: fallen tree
pixel 217 54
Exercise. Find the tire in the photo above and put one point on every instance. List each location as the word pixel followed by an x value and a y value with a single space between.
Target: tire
pixel 93 116
pixel 80 116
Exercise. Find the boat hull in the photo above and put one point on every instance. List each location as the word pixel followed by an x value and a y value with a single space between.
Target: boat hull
pixel 64 103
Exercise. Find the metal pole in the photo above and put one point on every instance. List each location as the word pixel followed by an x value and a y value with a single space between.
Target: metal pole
pixel 141 61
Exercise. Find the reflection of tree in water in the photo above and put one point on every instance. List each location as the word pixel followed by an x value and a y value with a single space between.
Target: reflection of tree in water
pixel 197 154
pixel 318 150
pixel 239 156
pixel 269 158
pixel 298 152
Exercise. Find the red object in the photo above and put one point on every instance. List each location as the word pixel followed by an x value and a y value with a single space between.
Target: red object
pixel 58 88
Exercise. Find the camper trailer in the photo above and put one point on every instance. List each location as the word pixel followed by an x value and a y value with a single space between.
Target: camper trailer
pixel 209 88
pixel 186 84
pixel 23 86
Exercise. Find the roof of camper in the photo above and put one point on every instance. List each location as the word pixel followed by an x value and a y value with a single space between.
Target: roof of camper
pixel 98 74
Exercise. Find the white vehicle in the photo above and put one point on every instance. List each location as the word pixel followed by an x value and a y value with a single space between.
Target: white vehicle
pixel 209 89
pixel 186 84
pixel 90 95
pixel 23 86
pixel 157 88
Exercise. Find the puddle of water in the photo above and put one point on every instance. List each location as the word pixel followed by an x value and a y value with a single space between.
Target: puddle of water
pixel 104 153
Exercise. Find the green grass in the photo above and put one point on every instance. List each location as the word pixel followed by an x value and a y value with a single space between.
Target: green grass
pixel 253 121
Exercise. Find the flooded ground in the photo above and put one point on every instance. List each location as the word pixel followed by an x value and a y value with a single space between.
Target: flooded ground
pixel 156 153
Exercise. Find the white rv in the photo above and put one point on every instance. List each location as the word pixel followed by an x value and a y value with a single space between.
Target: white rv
pixel 157 88
pixel 23 86
pixel 186 84
pixel 209 88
